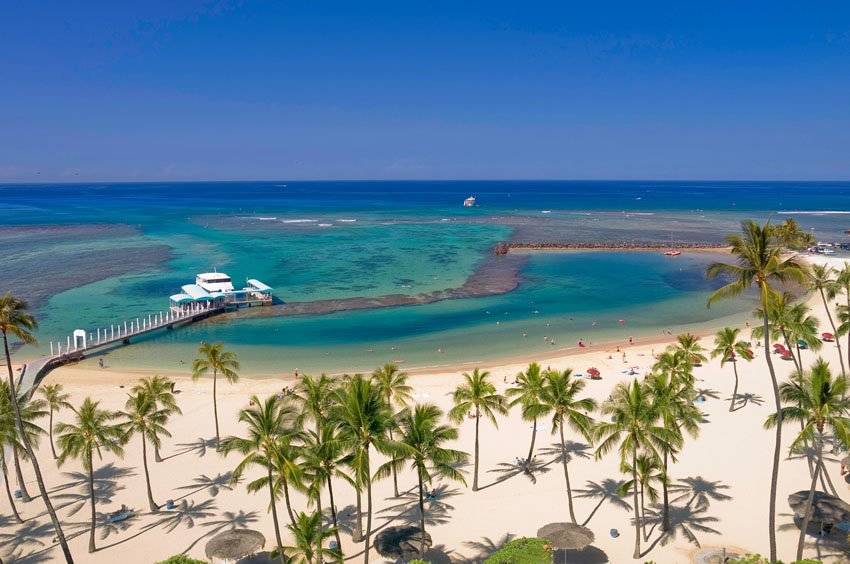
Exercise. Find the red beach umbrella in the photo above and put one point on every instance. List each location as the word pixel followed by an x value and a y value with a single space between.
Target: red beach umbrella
pixel 593 372
pixel 778 346
pixel 828 337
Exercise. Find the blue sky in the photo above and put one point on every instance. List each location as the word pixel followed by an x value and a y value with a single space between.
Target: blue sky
pixel 183 90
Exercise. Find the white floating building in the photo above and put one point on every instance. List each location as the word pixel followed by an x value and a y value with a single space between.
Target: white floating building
pixel 214 290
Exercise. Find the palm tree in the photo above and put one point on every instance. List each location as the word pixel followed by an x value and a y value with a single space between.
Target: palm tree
pixel 730 349
pixel 677 364
pixel 315 396
pixel 9 437
pixel 819 402
pixel 477 397
pixel 759 264
pixel 268 422
pixel 30 411
pixel 214 357
pixel 821 280
pixel 16 322
pixel 158 389
pixel 689 345
pixel 560 394
pixel 803 328
pixel 634 427
pixel 56 401
pixel 92 431
pixel 309 540
pixel 647 472
pixel 363 419
pixel 392 386
pixel 527 396
pixel 672 398
pixel 323 457
pixel 143 417
pixel 424 436
pixel 842 284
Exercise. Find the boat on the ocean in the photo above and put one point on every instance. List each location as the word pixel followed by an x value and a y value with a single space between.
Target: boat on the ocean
pixel 469 202
pixel 672 253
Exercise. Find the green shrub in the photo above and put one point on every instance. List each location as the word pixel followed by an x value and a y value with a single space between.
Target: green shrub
pixel 523 551
pixel 759 559
pixel 182 559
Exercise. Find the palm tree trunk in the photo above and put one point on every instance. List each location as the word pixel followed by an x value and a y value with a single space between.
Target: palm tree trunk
pixel 531 448
pixel 774 476
pixel 636 554
pixel 734 391
pixel 357 534
pixel 156 455
pixel 809 501
pixel 475 469
pixel 92 547
pixel 215 409
pixel 333 514
pixel 567 473
pixel 665 522
pixel 50 432
pixel 36 469
pixel 288 503
pixel 8 490
pixel 274 517
pixel 153 505
pixel 421 513
pixel 643 513
pixel 368 506
pixel 834 331
pixel 791 352
pixel 25 496
pixel 395 476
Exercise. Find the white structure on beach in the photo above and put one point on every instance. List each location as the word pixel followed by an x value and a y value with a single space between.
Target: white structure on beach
pixel 215 290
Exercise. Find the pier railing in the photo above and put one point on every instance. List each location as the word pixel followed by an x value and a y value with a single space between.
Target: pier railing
pixel 80 340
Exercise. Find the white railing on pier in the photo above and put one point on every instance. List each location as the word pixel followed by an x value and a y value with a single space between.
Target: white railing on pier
pixel 82 340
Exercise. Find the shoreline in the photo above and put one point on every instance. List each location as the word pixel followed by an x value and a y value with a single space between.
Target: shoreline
pixel 504 248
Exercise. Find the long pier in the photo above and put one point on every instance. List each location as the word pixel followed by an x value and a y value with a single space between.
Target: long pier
pixel 81 342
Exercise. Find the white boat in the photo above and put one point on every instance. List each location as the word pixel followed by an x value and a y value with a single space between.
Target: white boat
pixel 672 253
pixel 469 202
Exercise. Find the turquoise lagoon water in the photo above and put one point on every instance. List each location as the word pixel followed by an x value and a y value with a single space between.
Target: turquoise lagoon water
pixel 87 256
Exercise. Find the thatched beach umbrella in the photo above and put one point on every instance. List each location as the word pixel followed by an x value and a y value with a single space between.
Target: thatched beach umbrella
pixel 568 536
pixel 825 508
pixel 231 546
pixel 401 542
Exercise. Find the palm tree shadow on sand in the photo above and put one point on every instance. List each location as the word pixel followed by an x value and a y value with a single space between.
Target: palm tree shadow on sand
pixel 437 510
pixel 106 487
pixel 485 548
pixel 508 470
pixel 571 452
pixel 198 447
pixel 824 546
pixel 743 400
pixel 606 490
pixel 212 485
pixel 698 490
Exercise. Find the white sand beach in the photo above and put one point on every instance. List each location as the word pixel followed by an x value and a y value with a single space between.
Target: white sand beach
pixel 719 494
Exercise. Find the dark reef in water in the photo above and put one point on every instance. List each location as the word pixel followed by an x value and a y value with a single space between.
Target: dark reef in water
pixel 504 248
pixel 496 275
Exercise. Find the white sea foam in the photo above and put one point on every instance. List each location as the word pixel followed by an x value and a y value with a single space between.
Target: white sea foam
pixel 300 220
pixel 325 225
pixel 546 211
pixel 825 212
pixel 347 220
pixel 267 218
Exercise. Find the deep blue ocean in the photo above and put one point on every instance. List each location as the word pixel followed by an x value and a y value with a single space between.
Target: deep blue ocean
pixel 88 255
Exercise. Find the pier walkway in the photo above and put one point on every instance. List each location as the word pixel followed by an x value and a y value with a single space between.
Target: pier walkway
pixel 82 342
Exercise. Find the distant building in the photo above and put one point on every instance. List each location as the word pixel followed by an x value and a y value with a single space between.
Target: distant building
pixel 469 202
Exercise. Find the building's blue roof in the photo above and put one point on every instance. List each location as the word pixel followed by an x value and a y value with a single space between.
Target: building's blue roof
pixel 181 298
pixel 196 293
pixel 259 285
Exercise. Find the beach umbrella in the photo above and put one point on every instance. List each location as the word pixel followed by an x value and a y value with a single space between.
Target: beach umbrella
pixel 825 508
pixel 593 371
pixel 231 546
pixel 778 346
pixel 566 536
pixel 402 542
pixel 696 361
pixel 802 344
pixel 828 337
